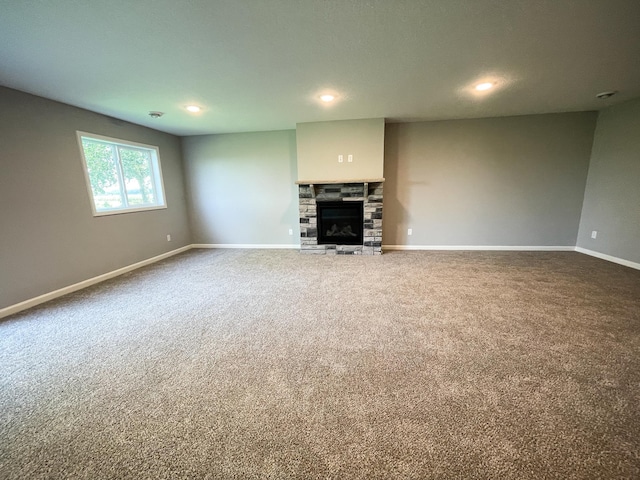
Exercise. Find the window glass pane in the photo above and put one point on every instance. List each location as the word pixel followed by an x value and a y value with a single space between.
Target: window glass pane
pixel 138 174
pixel 122 176
pixel 102 167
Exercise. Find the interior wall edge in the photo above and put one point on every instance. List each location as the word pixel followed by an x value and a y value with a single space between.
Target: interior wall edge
pixel 261 246
pixel 506 248
pixel 18 307
pixel 32 302
pixel 609 258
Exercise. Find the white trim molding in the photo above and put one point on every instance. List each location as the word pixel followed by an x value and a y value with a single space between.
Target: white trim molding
pixel 609 258
pixel 32 302
pixel 506 248
pixel 264 246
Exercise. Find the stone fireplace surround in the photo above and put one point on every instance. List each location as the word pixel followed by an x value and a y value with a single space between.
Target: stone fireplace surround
pixel 370 192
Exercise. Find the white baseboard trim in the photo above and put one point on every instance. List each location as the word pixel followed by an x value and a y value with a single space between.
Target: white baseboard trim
pixel 610 258
pixel 507 248
pixel 267 246
pixel 32 302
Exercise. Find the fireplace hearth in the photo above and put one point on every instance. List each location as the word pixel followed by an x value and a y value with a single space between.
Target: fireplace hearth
pixel 341 218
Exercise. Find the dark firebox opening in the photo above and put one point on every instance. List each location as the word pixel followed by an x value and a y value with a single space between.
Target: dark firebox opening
pixel 340 223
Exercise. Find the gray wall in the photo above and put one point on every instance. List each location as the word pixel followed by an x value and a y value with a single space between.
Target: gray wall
pixel 612 196
pixel 242 188
pixel 512 181
pixel 320 143
pixel 49 238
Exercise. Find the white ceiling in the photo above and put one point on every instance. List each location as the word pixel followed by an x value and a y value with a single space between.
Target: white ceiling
pixel 260 64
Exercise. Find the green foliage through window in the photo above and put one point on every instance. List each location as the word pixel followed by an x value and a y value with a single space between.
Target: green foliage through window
pixel 122 176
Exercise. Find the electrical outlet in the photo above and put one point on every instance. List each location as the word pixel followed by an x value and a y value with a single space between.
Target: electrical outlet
pixel 594 234
pixel 340 158
pixel 410 231
pixel 291 231
pixel 168 238
pixel 349 158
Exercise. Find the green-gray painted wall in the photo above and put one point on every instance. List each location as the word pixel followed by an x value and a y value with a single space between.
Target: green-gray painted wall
pixel 612 196
pixel 49 238
pixel 510 181
pixel 242 188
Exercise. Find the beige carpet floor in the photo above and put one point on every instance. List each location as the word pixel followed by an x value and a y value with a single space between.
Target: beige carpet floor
pixel 272 364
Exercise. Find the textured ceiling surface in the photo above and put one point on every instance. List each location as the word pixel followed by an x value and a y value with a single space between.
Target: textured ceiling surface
pixel 261 64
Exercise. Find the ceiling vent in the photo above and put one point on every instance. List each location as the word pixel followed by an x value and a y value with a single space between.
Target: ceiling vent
pixel 604 95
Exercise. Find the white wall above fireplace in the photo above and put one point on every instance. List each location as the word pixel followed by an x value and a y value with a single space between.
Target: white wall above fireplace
pixel 359 143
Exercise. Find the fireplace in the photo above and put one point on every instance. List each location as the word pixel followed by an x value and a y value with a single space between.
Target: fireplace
pixel 339 223
pixel 343 218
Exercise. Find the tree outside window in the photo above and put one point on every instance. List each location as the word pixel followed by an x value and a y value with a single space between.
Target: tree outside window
pixel 122 176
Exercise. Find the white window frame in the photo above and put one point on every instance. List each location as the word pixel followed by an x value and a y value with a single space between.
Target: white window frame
pixel 157 179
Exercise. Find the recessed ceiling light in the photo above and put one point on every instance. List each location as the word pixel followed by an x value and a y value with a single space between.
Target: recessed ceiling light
pixel 327 97
pixel 484 86
pixel 193 108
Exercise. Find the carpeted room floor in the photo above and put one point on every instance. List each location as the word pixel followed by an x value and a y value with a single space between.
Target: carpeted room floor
pixel 272 364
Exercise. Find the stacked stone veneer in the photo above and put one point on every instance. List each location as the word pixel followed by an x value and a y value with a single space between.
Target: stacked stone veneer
pixel 369 193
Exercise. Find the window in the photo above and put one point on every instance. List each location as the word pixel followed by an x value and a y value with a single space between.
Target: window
pixel 121 176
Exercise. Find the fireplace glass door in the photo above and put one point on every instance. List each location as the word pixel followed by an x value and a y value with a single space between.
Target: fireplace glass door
pixel 340 223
